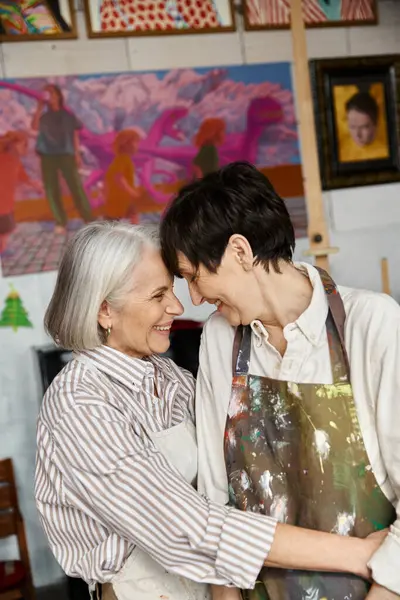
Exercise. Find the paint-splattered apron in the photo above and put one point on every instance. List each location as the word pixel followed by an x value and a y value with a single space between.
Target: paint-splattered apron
pixel 295 451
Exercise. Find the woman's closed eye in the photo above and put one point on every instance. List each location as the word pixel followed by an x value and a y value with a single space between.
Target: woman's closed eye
pixel 159 296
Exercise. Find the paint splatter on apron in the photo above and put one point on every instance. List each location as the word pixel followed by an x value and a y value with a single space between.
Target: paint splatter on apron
pixel 295 451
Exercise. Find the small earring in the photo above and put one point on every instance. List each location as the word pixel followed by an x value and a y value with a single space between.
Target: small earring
pixel 108 331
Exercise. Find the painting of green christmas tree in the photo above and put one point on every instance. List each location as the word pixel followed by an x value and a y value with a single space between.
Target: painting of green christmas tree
pixel 14 314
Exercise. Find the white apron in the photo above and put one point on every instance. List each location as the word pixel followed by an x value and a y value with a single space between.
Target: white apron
pixel 141 578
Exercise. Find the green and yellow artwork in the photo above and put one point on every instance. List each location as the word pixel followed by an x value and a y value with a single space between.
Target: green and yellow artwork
pixel 14 314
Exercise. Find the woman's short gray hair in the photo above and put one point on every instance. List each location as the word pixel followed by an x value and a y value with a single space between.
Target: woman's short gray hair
pixel 97 266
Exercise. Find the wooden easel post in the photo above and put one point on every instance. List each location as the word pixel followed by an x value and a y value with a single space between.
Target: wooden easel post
pixel 385 276
pixel 317 228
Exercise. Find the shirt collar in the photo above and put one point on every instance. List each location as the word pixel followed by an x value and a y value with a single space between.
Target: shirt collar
pixel 312 321
pixel 162 365
pixel 127 370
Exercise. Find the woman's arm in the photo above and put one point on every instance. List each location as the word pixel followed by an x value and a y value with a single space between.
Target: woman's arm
pixel 377 592
pixel 36 117
pixel 221 592
pixel 297 548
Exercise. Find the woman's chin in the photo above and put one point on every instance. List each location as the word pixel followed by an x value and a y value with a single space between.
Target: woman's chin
pixel 232 317
pixel 160 343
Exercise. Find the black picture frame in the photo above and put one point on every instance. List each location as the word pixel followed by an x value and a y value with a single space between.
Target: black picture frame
pixel 340 156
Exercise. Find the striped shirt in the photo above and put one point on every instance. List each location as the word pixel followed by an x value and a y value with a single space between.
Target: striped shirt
pixel 102 487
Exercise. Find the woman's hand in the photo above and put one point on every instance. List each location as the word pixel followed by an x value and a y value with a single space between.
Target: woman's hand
pixel 371 545
pixel 377 537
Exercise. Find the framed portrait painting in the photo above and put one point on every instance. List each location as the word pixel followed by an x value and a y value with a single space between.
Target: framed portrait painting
pixel 275 14
pixel 357 110
pixel 116 18
pixel 32 20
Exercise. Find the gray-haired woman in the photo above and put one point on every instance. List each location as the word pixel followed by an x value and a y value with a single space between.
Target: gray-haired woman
pixel 117 457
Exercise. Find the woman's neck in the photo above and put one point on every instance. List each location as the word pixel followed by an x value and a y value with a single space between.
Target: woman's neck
pixel 284 296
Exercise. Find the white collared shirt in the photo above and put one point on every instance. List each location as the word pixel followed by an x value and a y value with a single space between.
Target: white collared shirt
pixel 372 338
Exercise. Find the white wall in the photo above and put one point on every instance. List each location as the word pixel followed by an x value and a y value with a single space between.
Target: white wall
pixel 355 216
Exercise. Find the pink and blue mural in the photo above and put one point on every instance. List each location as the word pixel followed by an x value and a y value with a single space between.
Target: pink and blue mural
pixel 78 148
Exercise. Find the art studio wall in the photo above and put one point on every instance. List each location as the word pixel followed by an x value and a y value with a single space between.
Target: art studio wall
pixel 364 221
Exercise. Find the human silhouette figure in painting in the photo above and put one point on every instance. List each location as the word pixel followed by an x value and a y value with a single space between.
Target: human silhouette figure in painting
pixel 119 183
pixel 13 145
pixel 210 135
pixel 58 148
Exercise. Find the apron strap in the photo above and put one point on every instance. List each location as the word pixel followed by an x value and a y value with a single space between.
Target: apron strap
pixel 337 312
pixel 236 345
pixel 241 351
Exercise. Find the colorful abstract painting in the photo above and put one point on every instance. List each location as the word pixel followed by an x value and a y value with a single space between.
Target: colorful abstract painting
pixel 270 14
pixel 144 17
pixel 33 19
pixel 75 149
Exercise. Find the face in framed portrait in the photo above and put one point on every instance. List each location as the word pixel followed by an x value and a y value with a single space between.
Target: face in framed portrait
pixel 357 109
pixel 115 18
pixel 361 122
pixel 29 20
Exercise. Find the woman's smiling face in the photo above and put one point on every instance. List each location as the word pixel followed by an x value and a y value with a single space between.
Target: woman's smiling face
pixel 141 326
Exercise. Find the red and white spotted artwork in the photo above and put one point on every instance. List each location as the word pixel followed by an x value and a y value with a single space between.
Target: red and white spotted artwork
pixel 270 14
pixel 142 17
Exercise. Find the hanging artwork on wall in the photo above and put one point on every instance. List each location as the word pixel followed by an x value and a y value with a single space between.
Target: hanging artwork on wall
pixel 151 17
pixel 78 148
pixel 32 20
pixel 14 314
pixel 357 110
pixel 275 14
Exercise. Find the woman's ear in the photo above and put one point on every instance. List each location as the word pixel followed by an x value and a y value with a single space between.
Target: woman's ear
pixel 104 315
pixel 241 251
